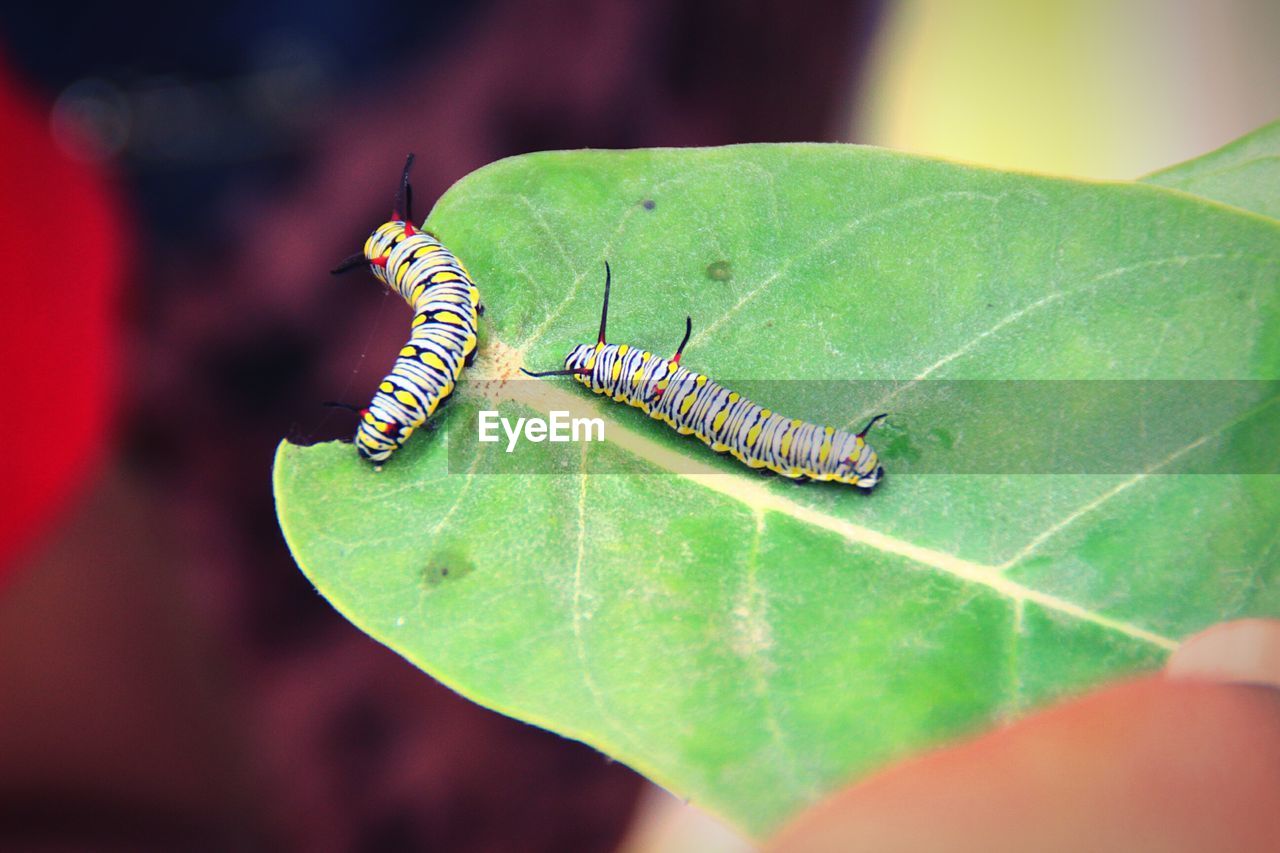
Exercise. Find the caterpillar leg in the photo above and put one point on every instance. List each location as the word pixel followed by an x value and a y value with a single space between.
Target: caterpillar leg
pixel 433 423
pixel 469 359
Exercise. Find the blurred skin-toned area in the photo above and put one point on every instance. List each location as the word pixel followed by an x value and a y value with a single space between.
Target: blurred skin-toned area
pixel 1148 765
pixel 168 680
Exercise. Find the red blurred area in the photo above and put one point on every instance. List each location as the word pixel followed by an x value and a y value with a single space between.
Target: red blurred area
pixel 62 237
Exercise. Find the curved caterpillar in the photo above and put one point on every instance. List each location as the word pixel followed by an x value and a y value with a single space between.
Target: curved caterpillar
pixel 446 307
pixel 724 420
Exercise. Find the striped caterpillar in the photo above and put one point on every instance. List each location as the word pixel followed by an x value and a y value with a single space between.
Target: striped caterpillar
pixel 724 420
pixel 446 308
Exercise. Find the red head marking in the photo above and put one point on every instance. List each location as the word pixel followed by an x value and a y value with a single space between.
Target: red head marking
pixel 409 230
pixel 380 261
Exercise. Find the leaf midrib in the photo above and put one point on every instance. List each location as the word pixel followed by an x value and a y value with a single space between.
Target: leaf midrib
pixel 497 382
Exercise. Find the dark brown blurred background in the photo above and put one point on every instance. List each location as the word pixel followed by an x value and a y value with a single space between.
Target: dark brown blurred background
pixel 168 679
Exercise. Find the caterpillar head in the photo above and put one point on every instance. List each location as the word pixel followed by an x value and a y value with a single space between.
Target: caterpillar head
pixel 377 438
pixel 581 358
pixel 378 248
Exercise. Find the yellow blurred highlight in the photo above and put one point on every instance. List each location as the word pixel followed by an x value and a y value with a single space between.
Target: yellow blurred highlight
pixel 1078 87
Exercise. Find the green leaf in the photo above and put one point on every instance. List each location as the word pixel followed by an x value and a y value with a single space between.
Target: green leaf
pixel 1244 173
pixel 752 644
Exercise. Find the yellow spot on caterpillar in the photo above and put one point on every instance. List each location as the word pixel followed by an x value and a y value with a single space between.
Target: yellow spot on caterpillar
pixel 418 320
pixel 700 381
pixel 406 398
pixel 616 372
pixel 753 435
pixel 764 413
pixel 687 403
pixel 387 387
pixel 408 351
pixel 825 452
pixel 786 442
pixel 445 275
pixel 624 349
pixel 433 360
pixel 734 397
pixel 449 317
pixel 718 421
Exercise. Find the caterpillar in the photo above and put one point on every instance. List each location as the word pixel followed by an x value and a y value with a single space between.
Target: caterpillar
pixel 724 420
pixel 446 309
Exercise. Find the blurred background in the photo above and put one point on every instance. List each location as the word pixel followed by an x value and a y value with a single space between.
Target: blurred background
pixel 176 183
